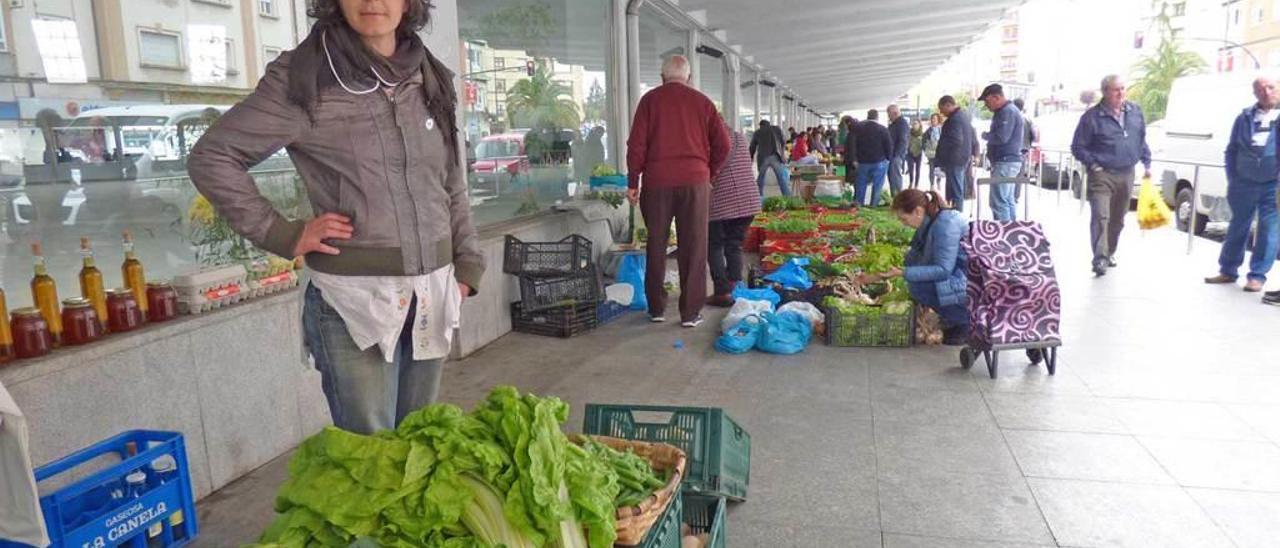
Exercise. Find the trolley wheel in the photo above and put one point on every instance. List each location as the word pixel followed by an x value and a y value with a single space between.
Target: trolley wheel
pixel 967 357
pixel 1035 355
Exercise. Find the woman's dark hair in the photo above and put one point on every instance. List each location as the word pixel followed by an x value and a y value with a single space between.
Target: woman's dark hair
pixel 415 18
pixel 908 200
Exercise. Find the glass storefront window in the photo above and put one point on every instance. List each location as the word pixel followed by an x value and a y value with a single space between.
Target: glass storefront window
pixel 94 132
pixel 747 100
pixel 536 102
pixel 711 80
pixel 659 39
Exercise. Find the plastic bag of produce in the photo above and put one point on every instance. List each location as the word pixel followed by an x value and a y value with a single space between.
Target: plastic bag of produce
pixel 632 272
pixel 785 333
pixel 1152 211
pixel 805 309
pixel 792 274
pixel 741 291
pixel 741 310
pixel 742 337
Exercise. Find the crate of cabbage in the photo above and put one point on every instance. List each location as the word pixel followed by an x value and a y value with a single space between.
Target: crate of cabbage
pixel 869 325
pixel 719 449
pixel 503 474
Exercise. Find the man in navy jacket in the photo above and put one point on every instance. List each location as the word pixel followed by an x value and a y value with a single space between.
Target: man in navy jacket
pixel 1110 139
pixel 900 137
pixel 955 149
pixel 1251 189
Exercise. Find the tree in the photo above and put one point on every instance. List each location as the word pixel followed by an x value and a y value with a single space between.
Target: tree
pixel 1156 72
pixel 594 109
pixel 541 103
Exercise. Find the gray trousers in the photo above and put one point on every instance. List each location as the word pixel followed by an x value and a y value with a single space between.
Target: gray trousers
pixel 1108 195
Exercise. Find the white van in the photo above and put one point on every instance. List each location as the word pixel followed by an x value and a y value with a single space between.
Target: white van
pixel 1198 121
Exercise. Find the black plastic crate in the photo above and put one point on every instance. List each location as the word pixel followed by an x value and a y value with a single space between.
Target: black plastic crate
pixel 560 321
pixel 567 256
pixel 543 292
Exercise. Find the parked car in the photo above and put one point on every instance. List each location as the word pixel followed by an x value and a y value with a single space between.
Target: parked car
pixel 499 157
pixel 1198 124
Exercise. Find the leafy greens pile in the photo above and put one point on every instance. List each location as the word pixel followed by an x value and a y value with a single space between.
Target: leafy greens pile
pixel 502 475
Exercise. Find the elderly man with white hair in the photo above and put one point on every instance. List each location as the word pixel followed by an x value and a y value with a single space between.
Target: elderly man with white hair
pixel 1110 139
pixel 1251 190
pixel 677 145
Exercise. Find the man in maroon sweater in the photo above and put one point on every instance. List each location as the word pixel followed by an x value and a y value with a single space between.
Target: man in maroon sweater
pixel 678 143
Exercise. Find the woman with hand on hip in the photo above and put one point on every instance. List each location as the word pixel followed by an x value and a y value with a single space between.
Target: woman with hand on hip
pixel 367 116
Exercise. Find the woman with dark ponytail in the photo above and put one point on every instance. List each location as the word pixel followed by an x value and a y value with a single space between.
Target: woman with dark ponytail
pixel 935 264
pixel 367 116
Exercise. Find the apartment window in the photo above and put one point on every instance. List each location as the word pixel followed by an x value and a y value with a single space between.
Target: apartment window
pixel 500 86
pixel 499 62
pixel 4 38
pixel 232 65
pixel 269 53
pixel 1259 15
pixel 1175 33
pixel 267 7
pixel 1179 9
pixel 1010 32
pixel 1009 62
pixel 1235 17
pixel 160 49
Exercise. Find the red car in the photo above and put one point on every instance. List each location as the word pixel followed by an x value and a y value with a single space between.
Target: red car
pixel 499 155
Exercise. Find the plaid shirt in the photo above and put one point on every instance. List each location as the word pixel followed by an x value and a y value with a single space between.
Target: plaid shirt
pixel 735 194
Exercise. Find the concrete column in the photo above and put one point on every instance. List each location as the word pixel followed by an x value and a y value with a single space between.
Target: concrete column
pixel 755 121
pixel 732 90
pixel 249 19
pixel 618 82
pixel 114 63
pixel 695 58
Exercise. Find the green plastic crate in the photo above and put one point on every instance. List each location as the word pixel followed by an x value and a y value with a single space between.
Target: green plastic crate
pixel 718 449
pixel 665 532
pixel 706 515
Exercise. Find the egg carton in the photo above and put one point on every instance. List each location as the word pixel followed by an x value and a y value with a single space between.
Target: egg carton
pixel 208 288
pixel 273 284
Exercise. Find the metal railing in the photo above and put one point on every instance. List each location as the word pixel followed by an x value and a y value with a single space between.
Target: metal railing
pixel 1065 157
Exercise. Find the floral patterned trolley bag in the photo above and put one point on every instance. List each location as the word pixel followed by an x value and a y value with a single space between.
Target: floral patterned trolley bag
pixel 1014 302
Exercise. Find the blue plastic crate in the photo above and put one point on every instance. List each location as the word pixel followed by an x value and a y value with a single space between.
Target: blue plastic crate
pixel 100 510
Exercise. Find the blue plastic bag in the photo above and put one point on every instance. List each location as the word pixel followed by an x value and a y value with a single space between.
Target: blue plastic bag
pixel 632 272
pixel 741 339
pixel 792 275
pixel 785 333
pixel 741 291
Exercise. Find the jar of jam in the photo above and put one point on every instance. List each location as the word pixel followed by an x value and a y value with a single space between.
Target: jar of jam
pixel 31 337
pixel 80 323
pixel 162 301
pixel 123 312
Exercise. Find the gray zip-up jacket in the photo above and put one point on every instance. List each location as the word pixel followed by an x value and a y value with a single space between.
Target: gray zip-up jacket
pixel 377 158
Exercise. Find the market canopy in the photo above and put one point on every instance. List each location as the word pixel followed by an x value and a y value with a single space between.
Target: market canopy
pixel 844 55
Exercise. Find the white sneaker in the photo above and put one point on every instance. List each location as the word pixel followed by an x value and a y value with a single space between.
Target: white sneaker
pixel 692 323
pixel 657 319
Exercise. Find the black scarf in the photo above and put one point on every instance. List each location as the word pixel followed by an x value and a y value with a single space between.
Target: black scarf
pixel 354 62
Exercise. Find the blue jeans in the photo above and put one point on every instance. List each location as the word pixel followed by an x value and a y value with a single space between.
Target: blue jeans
pixel 1004 205
pixel 926 294
pixel 1247 198
pixel 895 175
pixel 365 393
pixel 780 171
pixel 870 175
pixel 955 185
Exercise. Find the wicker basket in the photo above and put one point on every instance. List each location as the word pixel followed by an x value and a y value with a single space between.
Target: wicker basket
pixel 634 522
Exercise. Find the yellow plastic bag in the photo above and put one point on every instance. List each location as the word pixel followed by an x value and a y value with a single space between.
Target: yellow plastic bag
pixel 1152 211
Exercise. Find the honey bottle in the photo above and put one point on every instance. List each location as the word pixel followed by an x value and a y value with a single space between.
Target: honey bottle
pixel 134 278
pixel 91 286
pixel 6 332
pixel 44 293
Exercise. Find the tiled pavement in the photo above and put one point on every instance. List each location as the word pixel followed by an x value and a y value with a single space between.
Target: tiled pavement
pixel 1159 430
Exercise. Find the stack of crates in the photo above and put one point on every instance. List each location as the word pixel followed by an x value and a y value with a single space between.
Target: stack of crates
pixel 717 471
pixel 561 294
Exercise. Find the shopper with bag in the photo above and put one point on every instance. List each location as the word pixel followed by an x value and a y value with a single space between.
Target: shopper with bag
pixel 935 264
pixel 1251 191
pixel 1109 140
